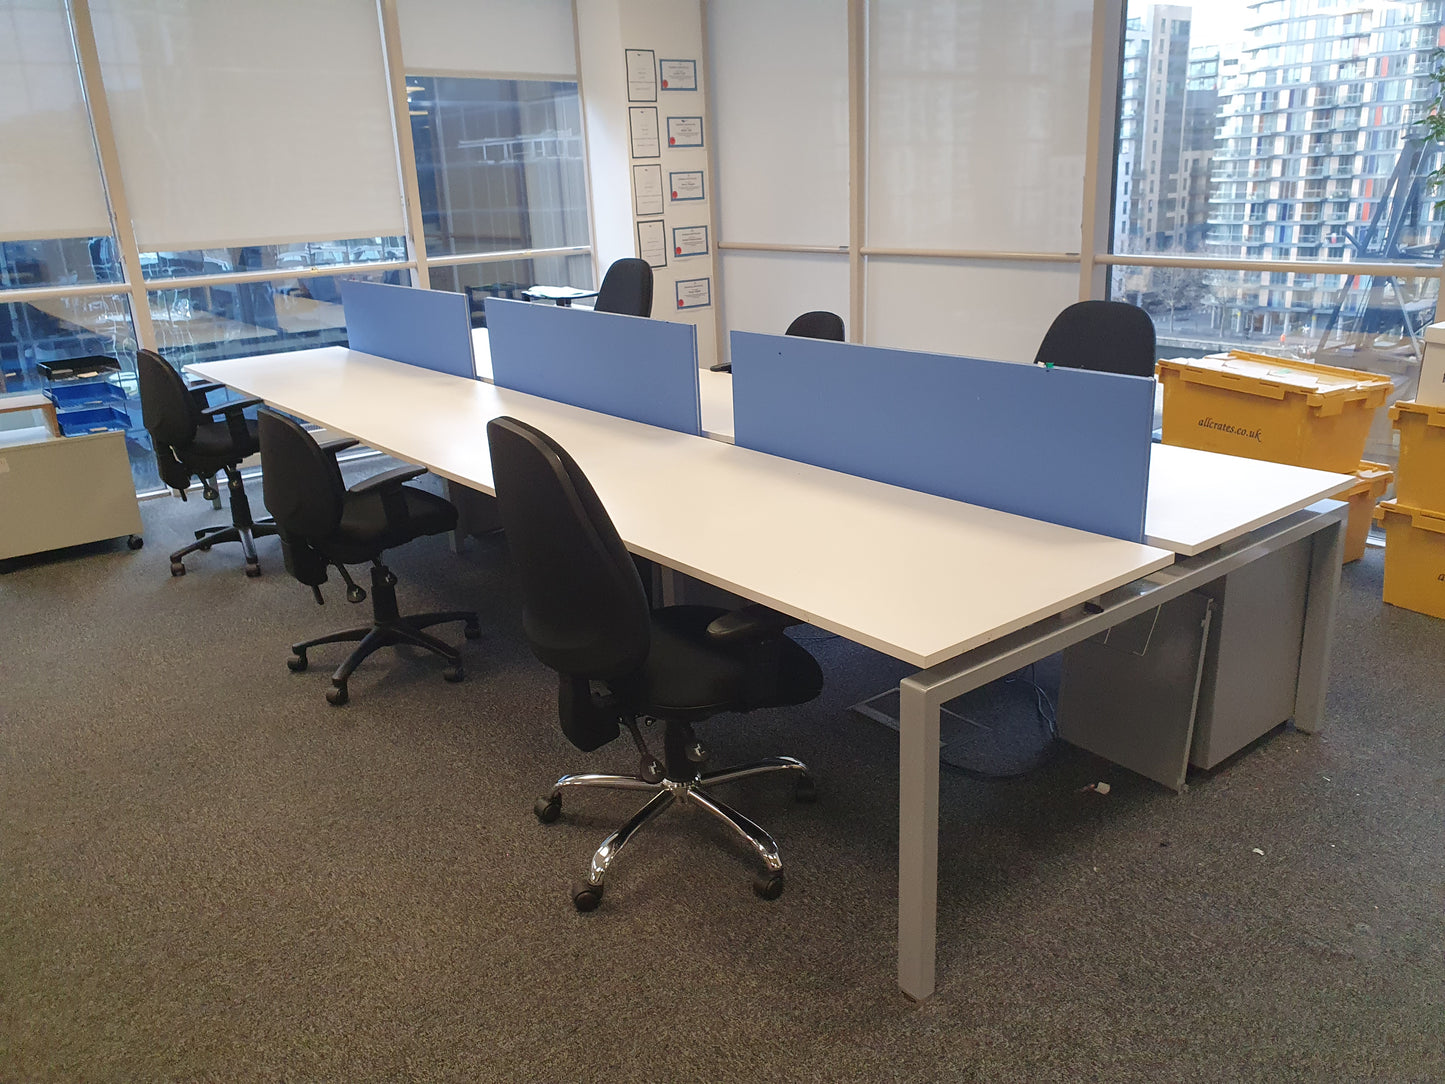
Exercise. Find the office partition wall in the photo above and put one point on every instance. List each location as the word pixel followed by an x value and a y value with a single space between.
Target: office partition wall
pixel 975 168
pixel 781 114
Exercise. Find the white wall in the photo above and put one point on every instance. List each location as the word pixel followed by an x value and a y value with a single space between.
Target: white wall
pixel 672 29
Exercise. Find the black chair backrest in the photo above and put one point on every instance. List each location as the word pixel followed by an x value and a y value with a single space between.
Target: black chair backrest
pixel 169 410
pixel 818 325
pixel 626 289
pixel 584 611
pixel 1104 336
pixel 301 482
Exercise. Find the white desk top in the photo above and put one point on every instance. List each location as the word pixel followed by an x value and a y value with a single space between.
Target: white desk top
pixel 1199 499
pixel 916 576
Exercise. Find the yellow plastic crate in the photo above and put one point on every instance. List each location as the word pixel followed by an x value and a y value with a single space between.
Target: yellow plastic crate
pixel 1374 479
pixel 1260 407
pixel 1422 455
pixel 1414 558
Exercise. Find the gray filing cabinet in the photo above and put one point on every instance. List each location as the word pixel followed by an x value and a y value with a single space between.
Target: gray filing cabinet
pixel 1130 694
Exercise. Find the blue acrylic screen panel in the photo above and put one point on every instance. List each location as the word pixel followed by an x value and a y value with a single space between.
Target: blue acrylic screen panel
pixel 1061 445
pixel 431 329
pixel 626 366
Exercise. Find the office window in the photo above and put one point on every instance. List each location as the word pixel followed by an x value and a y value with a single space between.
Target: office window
pixel 1378 210
pixel 500 164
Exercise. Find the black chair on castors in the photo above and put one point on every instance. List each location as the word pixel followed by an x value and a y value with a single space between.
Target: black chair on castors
pixel 1103 336
pixel 626 289
pixel 192 440
pixel 323 523
pixel 586 616
pixel 819 324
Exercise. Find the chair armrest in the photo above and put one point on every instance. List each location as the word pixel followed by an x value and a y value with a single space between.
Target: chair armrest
pixel 752 622
pixel 235 419
pixel 386 480
pixel 227 408
pixel 721 367
pixel 204 386
pixel 338 444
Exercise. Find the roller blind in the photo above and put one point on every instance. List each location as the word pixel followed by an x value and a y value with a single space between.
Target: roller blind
pixel 488 37
pixel 50 183
pixel 977 116
pixel 255 123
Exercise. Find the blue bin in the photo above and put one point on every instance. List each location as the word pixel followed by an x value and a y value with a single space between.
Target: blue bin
pixel 102 419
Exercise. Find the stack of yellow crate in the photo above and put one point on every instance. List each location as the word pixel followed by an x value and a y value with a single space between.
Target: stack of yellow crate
pixel 1415 520
pixel 1295 412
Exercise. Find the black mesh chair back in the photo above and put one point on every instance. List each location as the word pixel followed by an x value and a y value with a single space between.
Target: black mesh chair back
pixel 302 483
pixel 1103 336
pixel 585 613
pixel 626 289
pixel 169 410
pixel 820 324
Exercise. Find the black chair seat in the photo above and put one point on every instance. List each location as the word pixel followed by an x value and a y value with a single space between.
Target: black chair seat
pixel 364 529
pixel 689 676
pixel 215 446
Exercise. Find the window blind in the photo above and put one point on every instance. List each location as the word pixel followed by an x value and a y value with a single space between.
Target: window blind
pixel 256 123
pixel 50 183
pixel 488 37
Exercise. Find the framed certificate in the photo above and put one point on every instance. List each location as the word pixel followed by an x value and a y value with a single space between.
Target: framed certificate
pixel 685 186
pixel 694 293
pixel 678 74
pixel 689 241
pixel 684 131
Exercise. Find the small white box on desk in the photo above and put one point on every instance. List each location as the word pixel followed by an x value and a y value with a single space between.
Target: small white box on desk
pixel 1432 368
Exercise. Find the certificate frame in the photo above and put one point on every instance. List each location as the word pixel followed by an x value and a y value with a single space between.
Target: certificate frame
pixel 664 82
pixel 631 56
pixel 672 185
pixel 632 130
pixel 672 142
pixel 677 252
pixel 649 224
pixel 683 305
pixel 645 169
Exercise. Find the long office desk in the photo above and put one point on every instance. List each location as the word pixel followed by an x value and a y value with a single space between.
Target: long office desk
pixel 965 593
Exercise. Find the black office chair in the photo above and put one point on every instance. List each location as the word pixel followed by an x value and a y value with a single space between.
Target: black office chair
pixel 818 324
pixel 626 289
pixel 586 616
pixel 1103 336
pixel 193 440
pixel 324 523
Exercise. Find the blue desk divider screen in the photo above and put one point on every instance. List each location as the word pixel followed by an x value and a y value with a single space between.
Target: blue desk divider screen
pixel 1062 445
pixel 626 366
pixel 431 329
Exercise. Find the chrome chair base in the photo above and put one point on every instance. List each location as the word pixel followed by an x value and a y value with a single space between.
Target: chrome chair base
pixel 768 884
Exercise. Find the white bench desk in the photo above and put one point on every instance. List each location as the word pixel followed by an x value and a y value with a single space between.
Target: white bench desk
pixel 965 593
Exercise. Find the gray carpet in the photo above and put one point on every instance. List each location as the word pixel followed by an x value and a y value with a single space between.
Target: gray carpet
pixel 207 873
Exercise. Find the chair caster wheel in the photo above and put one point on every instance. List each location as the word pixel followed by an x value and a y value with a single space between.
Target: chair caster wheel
pixel 252 571
pixel 210 493
pixel 453 674
pixel 548 809
pixel 587 897
pixel 769 886
pixel 135 541
pixel 297 663
pixel 355 594
pixel 177 569
pixel 337 696
pixel 472 632
pixel 805 790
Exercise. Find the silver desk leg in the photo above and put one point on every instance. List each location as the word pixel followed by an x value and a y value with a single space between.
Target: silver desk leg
pixel 1323 593
pixel 917 838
